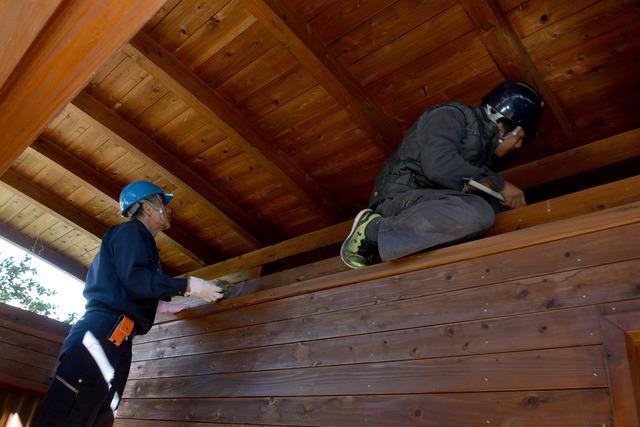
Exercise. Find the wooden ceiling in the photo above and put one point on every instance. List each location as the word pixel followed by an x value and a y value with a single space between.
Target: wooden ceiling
pixel 270 119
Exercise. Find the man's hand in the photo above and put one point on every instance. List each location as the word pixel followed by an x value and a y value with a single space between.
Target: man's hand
pixel 513 196
pixel 206 290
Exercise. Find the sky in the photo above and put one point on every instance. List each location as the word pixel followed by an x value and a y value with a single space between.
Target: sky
pixel 69 297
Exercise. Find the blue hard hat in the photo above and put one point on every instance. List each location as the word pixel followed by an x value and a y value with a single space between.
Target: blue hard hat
pixel 517 102
pixel 139 190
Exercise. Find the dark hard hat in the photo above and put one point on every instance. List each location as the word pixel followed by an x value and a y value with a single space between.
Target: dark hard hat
pixel 516 101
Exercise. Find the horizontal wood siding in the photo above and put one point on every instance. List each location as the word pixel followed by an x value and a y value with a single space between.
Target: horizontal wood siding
pixel 29 347
pixel 507 338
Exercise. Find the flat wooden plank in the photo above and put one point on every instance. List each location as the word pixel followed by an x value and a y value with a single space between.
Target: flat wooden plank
pixel 585 201
pixel 290 28
pixel 565 368
pixel 565 255
pixel 20 24
pixel 77 40
pixel 525 409
pixel 29 342
pixel 226 117
pixel 19 375
pixel 553 291
pixel 145 148
pixel 559 328
pixel 44 251
pixel 193 248
pixel 581 159
pixel 562 207
pixel 33 324
pixel 27 357
pixel 544 233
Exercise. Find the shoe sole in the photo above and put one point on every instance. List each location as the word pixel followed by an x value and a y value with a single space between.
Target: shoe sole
pixel 353 229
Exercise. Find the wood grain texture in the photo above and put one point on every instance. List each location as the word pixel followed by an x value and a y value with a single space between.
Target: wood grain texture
pixel 556 408
pixel 225 117
pixel 290 28
pixel 81 36
pixel 579 252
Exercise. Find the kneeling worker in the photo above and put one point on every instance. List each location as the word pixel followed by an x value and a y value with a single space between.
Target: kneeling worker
pixel 123 288
pixel 422 199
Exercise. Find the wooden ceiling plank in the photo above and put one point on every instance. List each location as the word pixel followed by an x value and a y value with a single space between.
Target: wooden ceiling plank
pixel 192 247
pixel 53 203
pixel 42 250
pixel 77 40
pixel 223 115
pixel 291 29
pixel 173 169
pixel 510 55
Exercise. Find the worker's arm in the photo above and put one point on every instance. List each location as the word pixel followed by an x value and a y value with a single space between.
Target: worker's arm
pixel 442 132
pixel 134 261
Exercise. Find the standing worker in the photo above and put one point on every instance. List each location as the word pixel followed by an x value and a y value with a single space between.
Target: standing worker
pixel 422 199
pixel 123 287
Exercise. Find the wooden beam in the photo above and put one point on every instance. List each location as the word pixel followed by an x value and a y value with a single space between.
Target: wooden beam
pixel 507 50
pixel 54 204
pixel 44 252
pixel 549 232
pixel 191 246
pixel 20 23
pixel 146 149
pixel 77 40
pixel 297 245
pixel 572 162
pixel 312 54
pixel 198 95
pixel 572 205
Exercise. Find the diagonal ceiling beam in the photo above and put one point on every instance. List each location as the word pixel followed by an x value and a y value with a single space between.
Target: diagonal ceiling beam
pixel 53 203
pixel 192 247
pixel 513 60
pixel 44 251
pixel 146 149
pixel 80 36
pixel 198 95
pixel 312 54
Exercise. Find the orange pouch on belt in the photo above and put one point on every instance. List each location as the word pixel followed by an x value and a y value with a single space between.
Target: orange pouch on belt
pixel 122 330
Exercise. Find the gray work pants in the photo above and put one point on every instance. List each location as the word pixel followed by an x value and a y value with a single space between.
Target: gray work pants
pixel 420 219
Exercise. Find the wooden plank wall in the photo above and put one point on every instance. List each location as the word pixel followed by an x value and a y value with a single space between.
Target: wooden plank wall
pixel 29 347
pixel 506 339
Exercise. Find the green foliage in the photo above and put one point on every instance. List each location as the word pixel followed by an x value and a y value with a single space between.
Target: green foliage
pixel 17 286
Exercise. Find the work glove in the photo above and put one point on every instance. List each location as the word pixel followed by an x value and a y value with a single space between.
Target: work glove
pixel 206 290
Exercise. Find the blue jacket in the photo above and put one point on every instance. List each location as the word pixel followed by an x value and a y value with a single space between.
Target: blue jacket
pixel 125 276
pixel 447 142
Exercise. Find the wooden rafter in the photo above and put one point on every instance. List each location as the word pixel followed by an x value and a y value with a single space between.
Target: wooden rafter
pixel 292 31
pixel 193 248
pixel 146 149
pixel 54 204
pixel 80 36
pixel 44 251
pixel 513 60
pixel 190 88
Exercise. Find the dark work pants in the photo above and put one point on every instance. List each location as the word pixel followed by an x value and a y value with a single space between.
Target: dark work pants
pixel 420 219
pixel 90 378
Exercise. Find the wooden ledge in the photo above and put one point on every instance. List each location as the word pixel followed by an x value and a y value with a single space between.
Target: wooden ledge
pixel 539 234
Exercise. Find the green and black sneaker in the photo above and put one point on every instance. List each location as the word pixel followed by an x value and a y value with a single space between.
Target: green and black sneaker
pixel 357 251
